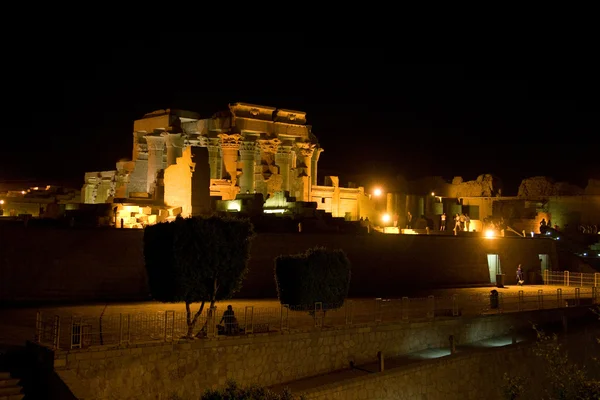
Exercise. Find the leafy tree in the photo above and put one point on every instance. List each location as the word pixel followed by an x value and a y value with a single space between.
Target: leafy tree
pixel 233 392
pixel 197 260
pixel 318 275
pixel 564 379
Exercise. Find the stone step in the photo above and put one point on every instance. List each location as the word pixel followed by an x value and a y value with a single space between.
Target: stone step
pixel 7 391
pixel 4 375
pixel 8 382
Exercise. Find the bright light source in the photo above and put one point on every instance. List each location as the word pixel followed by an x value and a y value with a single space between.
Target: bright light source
pixel 274 211
pixel 433 193
pixel 234 206
pixel 490 233
pixel 585 254
pixel 22 192
pixel 532 234
pixel 1 201
pixel 386 218
pixel 377 192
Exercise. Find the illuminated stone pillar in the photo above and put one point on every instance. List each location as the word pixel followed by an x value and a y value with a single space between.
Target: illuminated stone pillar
pixel 247 151
pixel 230 145
pixel 313 168
pixel 283 160
pixel 175 143
pixel 304 150
pixel 214 158
pixel 156 146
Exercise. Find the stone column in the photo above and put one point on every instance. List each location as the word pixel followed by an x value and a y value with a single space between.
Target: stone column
pixel 284 161
pixel 230 145
pixel 313 167
pixel 175 144
pixel 214 158
pixel 305 151
pixel 156 145
pixel 247 150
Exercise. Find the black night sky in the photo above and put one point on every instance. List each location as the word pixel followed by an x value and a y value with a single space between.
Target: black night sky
pixel 74 99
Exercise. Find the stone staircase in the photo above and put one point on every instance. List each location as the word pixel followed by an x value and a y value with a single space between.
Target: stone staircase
pixel 9 387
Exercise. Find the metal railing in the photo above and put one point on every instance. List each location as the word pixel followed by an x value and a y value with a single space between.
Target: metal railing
pixel 166 326
pixel 567 278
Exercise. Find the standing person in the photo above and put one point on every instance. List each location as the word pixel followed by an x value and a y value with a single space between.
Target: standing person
pixel 457 223
pixel 520 280
pixel 408 220
pixel 443 223
pixel 467 222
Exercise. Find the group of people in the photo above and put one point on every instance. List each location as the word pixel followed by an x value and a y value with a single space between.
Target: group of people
pixel 462 222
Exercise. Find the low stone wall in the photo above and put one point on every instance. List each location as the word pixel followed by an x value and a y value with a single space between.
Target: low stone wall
pixel 476 374
pixel 467 376
pixel 188 368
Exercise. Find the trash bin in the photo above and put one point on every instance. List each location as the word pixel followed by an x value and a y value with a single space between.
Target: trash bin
pixel 494 299
pixel 500 280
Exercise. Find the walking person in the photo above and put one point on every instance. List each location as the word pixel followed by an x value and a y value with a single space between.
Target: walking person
pixel 520 280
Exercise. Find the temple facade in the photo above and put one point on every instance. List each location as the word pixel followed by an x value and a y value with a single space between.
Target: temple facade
pixel 250 149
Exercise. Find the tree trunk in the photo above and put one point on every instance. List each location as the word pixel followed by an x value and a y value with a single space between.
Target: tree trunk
pixel 191 322
pixel 213 300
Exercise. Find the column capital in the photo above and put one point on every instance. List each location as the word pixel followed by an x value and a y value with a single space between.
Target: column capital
pixel 213 144
pixel 172 139
pixel 317 153
pixel 269 145
pixel 230 141
pixel 248 146
pixel 305 149
pixel 284 149
pixel 155 141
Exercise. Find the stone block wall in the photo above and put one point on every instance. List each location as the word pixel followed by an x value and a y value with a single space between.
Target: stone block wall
pixel 574 210
pixel 188 368
pixel 108 264
pixel 473 375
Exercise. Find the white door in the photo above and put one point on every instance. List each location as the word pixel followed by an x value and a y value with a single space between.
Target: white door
pixel 494 266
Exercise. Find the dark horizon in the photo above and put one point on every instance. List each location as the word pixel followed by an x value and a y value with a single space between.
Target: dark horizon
pixel 371 114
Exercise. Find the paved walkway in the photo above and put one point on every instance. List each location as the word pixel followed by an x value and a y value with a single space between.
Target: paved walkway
pixel 18 324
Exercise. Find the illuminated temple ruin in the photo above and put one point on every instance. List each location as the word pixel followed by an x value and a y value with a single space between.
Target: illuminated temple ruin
pixel 246 150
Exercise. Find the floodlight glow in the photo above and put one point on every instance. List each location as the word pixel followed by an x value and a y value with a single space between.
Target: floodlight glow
pixel 274 211
pixel 490 233
pixel 234 206
pixel 377 192
pixel 1 201
pixel 433 193
pixel 386 218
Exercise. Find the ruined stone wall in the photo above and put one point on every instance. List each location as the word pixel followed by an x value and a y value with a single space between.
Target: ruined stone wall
pixel 108 264
pixel 541 186
pixel 178 183
pixel 574 210
pixel 484 186
pixel 188 368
